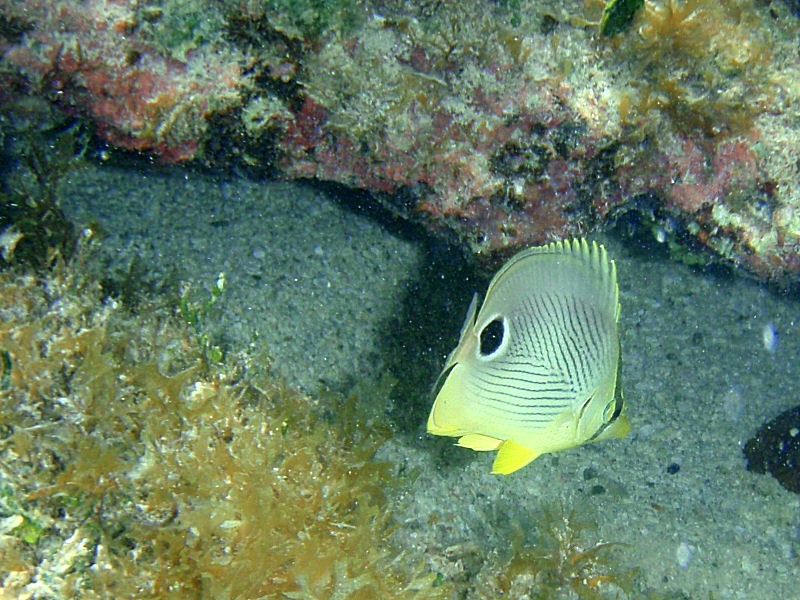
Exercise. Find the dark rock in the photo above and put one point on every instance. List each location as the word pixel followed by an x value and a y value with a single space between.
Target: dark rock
pixel 776 449
pixel 597 490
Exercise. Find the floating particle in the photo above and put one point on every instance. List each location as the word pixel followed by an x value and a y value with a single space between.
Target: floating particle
pixel 769 335
pixel 683 554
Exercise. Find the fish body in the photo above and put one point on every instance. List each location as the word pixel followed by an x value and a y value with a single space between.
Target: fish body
pixel 537 367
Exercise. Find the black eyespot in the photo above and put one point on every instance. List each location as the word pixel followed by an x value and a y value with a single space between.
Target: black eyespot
pixel 492 336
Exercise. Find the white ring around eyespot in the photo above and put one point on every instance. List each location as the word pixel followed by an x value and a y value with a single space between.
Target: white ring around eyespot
pixel 503 344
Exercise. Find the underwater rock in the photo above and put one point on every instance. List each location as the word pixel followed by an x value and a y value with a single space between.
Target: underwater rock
pixel 143 84
pixel 775 448
pixel 504 126
pixel 794 5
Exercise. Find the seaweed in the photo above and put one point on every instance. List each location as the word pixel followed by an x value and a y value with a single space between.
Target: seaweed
pixel 195 313
pixel 618 16
pixel 131 468
pixel 700 62
pixel 559 557
pixel 38 147
pixel 565 557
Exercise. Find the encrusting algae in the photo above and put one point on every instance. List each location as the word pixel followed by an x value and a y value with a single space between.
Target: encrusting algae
pixel 132 469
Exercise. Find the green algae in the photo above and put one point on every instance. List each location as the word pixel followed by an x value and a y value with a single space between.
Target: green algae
pixel 195 313
pixel 177 28
pixel 306 20
pixel 618 16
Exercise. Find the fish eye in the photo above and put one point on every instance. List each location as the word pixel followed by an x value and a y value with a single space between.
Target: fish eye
pixel 492 336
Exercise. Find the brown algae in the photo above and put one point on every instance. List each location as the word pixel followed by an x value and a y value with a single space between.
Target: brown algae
pixel 132 469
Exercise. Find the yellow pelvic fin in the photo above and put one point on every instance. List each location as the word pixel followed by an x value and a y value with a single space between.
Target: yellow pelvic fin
pixel 511 457
pixel 478 442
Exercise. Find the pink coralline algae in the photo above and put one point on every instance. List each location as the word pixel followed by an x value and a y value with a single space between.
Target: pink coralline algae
pixel 88 57
pixel 504 136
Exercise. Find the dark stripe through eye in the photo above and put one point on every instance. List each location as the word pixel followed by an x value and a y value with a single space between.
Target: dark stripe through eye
pixel 492 337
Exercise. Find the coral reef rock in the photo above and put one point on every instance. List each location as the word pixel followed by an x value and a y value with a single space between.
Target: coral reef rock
pixel 503 124
pixel 775 449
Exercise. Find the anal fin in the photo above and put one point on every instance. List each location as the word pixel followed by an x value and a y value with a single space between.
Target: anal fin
pixel 478 442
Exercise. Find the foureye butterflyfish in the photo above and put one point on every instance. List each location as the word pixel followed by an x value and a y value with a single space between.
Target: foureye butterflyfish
pixel 537 368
